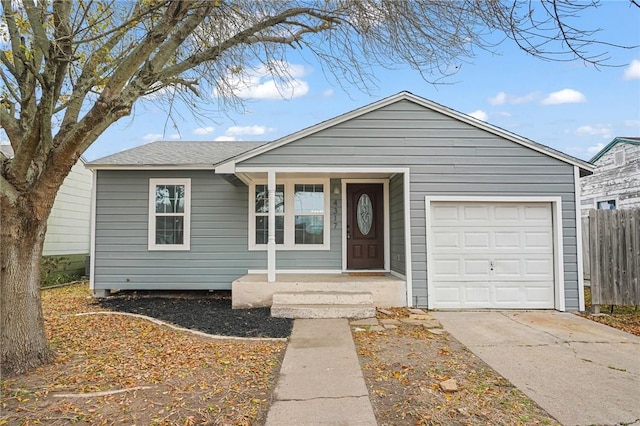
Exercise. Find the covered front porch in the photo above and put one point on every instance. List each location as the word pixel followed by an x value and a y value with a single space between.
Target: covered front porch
pixel 321 230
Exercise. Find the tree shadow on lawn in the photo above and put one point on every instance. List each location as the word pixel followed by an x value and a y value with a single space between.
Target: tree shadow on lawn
pixel 203 311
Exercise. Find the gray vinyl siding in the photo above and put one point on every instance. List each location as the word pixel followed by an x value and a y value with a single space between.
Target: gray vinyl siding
pixel 445 157
pixel 396 228
pixel 218 253
pixel 219 242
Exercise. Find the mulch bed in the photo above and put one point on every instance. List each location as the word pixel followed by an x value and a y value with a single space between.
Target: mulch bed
pixel 209 314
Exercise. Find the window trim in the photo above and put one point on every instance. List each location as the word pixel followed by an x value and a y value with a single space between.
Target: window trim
pixel 186 244
pixel 613 198
pixel 289 215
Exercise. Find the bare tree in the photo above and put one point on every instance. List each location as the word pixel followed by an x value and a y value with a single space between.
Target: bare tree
pixel 70 69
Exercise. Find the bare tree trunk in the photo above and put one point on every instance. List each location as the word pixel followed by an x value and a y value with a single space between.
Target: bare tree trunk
pixel 23 344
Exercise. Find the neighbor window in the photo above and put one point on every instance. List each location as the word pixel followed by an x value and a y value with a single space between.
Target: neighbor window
pixel 169 214
pixel 301 215
pixel 606 205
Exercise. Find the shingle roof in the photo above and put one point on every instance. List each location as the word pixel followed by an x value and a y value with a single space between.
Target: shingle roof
pixel 177 153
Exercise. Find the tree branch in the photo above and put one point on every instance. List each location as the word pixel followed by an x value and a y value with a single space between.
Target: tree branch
pixel 8 190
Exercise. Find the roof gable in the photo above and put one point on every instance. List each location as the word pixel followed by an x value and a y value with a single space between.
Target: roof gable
pixel 228 165
pixel 614 142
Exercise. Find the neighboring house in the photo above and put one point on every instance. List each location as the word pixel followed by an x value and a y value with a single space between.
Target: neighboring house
pixel 420 204
pixel 69 223
pixel 615 183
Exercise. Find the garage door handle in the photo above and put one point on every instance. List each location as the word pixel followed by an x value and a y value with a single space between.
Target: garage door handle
pixel 492 265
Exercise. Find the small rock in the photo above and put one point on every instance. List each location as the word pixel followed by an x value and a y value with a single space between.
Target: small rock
pixel 376 328
pixel 390 326
pixel 417 311
pixel 384 311
pixel 389 321
pixel 436 331
pixel 449 385
pixel 432 323
pixel 365 321
pixel 358 329
pixel 410 321
pixel 420 316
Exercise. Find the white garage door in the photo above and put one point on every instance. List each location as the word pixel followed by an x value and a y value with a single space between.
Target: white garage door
pixel 491 255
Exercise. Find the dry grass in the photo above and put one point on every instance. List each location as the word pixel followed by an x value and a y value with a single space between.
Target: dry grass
pixel 182 378
pixel 403 369
pixel 625 318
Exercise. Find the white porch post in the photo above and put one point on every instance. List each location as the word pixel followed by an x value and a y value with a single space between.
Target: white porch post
pixel 271 241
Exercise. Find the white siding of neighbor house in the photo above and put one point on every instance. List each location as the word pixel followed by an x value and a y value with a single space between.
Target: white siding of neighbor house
pixel 68 227
pixel 445 157
pixel 611 181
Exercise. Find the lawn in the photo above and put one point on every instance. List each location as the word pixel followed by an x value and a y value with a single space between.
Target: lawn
pixel 626 318
pixel 404 368
pixel 115 369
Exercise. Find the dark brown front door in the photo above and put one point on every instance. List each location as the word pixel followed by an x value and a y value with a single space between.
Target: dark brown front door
pixel 365 226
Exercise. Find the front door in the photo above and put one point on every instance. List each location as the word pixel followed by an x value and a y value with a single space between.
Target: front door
pixel 365 226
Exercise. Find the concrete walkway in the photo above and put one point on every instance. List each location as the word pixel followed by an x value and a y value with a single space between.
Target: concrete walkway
pixel 579 371
pixel 320 381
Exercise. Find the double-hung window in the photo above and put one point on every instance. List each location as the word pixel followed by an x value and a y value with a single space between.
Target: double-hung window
pixel 169 214
pixel 301 213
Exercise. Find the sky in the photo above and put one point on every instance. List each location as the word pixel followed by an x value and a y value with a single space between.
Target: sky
pixel 569 106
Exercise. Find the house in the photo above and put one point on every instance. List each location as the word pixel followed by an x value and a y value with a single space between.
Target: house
pixel 615 183
pixel 404 198
pixel 66 243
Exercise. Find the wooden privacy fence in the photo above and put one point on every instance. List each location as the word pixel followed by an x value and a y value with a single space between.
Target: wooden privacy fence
pixel 613 246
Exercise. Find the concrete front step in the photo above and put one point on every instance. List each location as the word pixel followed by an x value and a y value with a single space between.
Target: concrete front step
pixel 323 311
pixel 323 298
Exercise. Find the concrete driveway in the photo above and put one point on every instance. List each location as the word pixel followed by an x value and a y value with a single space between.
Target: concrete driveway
pixel 579 371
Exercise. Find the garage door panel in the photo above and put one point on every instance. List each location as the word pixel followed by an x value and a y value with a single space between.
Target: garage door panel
pixel 492 255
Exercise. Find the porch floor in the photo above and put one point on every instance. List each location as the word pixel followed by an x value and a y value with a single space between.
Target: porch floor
pixel 254 290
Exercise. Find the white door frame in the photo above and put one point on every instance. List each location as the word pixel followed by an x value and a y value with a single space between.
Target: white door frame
pixel 387 232
pixel 556 223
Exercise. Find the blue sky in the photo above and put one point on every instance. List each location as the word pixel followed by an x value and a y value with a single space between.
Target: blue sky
pixel 569 106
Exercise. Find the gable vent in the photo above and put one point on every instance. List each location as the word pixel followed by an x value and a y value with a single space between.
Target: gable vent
pixel 619 158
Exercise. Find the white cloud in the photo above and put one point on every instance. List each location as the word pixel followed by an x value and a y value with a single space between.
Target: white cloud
pixel 504 114
pixel 498 99
pixel 603 130
pixel 203 130
pixel 593 150
pixel 225 138
pixel 327 93
pixel 502 98
pixel 279 80
pixel 175 136
pixel 247 130
pixel 633 72
pixel 632 123
pixel 479 114
pixel 564 96
pixel 152 137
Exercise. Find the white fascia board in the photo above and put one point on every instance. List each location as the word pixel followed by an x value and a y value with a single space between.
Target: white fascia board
pixel 347 169
pixel 149 167
pixel 318 127
pixel 579 260
pixel 500 132
pixel 420 101
pixel 227 168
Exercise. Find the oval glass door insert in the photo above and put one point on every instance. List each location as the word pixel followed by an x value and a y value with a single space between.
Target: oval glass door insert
pixel 365 214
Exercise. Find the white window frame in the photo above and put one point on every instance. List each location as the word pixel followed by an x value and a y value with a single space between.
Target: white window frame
pixel 613 198
pixel 289 215
pixel 186 244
